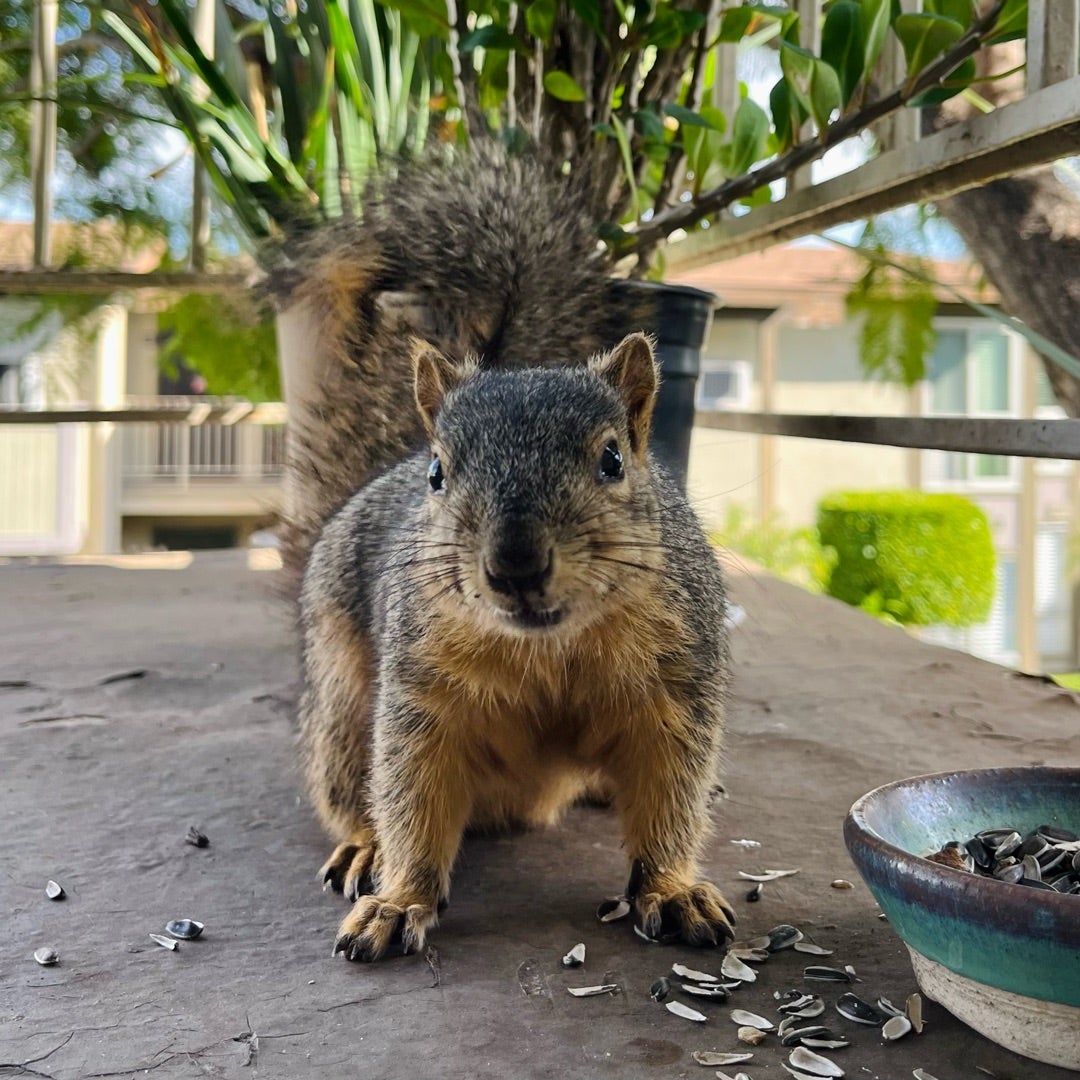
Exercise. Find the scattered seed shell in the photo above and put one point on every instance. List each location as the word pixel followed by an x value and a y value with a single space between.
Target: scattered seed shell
pixel 46 957
pixel 896 1027
pixel 751 956
pixel 798 1074
pixel 820 973
pixel 645 937
pixel 593 991
pixel 575 957
pixel 826 1044
pixel 754 895
pixel 854 1008
pixel 812 949
pixel 922 1074
pixel 808 1061
pixel 734 968
pixel 617 907
pixel 914 1012
pixel 783 937
pixel 679 1009
pixel 752 1036
pixel 749 1019
pixel 804 1010
pixel 184 929
pixel 712 990
pixel 752 943
pixel 794 1036
pixel 660 989
pixel 709 1057
pixel 196 838
pixel 768 875
pixel 165 942
pixel 692 974
pixel 842 883
pixel 54 890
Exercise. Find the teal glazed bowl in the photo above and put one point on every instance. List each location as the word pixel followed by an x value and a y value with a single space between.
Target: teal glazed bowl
pixel 1003 958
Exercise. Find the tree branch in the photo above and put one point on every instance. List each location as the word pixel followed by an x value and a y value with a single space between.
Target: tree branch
pixel 714 200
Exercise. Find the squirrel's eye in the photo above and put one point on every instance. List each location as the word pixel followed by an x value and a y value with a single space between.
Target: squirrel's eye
pixel 435 474
pixel 611 465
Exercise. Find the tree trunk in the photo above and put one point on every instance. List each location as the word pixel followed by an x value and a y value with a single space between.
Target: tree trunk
pixel 1025 233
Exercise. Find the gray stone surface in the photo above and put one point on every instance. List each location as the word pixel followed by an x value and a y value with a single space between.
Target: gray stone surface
pixel 100 780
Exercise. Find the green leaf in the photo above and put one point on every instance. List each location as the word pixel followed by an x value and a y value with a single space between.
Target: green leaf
pixel 957 82
pixel 814 83
pixel 734 23
pixel 562 86
pixel 686 117
pixel 761 197
pixel 1011 23
pixel 925 37
pixel 876 16
pixel 843 47
pixel 749 132
pixel 650 125
pixel 962 11
pixel 787 115
pixel 540 19
pixel 491 37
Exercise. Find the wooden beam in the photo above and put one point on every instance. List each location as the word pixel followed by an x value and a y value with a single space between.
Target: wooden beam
pixel 1059 439
pixel 1040 128
pixel 194 413
pixel 109 281
pixel 1053 42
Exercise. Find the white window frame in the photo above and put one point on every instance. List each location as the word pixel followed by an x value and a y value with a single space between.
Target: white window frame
pixel 742 377
pixel 1014 357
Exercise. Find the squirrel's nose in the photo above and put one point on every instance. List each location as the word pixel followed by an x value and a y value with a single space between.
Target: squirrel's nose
pixel 514 568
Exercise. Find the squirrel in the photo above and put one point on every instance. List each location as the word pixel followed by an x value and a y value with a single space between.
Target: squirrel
pixel 507 604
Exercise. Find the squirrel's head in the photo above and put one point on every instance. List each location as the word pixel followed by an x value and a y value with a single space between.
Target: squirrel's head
pixel 540 496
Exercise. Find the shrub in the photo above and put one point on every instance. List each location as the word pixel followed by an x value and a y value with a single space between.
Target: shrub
pixel 917 558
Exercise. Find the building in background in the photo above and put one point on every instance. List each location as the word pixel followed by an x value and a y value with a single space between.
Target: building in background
pixel 781 341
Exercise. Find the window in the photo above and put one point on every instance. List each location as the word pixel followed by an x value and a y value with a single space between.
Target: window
pixel 724 384
pixel 971 373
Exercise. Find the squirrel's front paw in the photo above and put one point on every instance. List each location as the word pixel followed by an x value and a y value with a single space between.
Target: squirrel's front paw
pixel 697 914
pixel 376 923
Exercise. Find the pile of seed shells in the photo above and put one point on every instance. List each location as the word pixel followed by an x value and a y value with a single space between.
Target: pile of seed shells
pixel 798 1027
pixel 1047 858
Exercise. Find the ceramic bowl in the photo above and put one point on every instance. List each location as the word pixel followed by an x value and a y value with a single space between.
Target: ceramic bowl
pixel 1003 958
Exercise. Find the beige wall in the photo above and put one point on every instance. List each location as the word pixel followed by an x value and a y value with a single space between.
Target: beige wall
pixel 818 371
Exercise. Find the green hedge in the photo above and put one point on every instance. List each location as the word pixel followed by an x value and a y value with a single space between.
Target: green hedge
pixel 917 558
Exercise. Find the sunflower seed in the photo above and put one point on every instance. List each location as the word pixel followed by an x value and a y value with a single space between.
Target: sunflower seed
pixel 854 1008
pixel 693 975
pixel 752 1036
pixel 754 895
pixel 617 907
pixel 679 1009
pixel 734 968
pixel 54 890
pixel 807 1061
pixel 826 974
pixel 812 949
pixel 842 883
pixel 575 957
pixel 896 1027
pixel 709 1057
pixel 165 942
pixel 184 929
pixel 660 989
pixel 593 991
pixel 749 1019
pixel 795 1035
pixel 46 957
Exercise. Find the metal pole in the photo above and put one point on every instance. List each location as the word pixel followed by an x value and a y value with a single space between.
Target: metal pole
pixel 43 125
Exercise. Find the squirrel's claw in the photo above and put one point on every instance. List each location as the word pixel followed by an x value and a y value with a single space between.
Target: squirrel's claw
pixel 374 924
pixel 348 870
pixel 698 915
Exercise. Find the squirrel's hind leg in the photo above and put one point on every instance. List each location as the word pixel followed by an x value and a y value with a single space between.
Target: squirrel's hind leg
pixel 335 724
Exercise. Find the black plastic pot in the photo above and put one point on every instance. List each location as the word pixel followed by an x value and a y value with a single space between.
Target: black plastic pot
pixel 678 316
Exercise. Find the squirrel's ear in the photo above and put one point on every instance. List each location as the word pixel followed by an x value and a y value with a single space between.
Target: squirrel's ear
pixel 631 369
pixel 435 375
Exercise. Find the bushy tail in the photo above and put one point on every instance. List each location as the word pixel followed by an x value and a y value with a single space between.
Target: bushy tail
pixel 489 255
